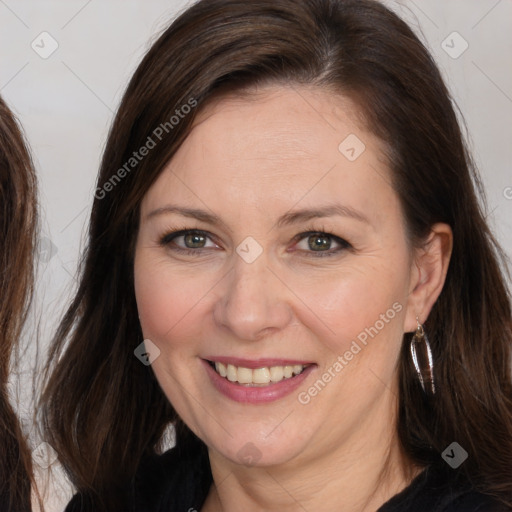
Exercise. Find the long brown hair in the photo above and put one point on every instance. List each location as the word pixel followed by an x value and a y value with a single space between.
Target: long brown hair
pixel 18 220
pixel 104 410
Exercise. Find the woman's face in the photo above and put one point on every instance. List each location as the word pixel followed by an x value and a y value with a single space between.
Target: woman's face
pixel 274 245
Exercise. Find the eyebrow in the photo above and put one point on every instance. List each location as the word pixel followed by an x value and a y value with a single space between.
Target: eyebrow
pixel 289 218
pixel 327 211
pixel 192 213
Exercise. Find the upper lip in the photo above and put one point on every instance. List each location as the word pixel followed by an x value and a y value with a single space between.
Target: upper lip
pixel 256 363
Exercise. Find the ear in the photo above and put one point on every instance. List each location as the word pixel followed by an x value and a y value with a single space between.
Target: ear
pixel 428 274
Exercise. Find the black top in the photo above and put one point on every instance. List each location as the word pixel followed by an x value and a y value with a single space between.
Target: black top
pixel 179 482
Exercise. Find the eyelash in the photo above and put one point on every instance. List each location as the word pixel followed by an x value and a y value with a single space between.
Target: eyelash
pixel 171 235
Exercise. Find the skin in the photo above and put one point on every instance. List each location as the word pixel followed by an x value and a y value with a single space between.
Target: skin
pixel 250 161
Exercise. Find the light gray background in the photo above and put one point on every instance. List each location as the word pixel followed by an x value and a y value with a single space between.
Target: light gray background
pixel 66 103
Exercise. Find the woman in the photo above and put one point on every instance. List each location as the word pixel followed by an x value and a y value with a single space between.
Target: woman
pixel 17 241
pixel 286 215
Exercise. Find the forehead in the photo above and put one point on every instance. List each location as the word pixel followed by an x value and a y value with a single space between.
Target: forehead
pixel 278 144
pixel 283 121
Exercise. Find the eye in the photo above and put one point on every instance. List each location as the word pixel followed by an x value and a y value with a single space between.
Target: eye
pixel 323 244
pixel 194 240
pixel 188 240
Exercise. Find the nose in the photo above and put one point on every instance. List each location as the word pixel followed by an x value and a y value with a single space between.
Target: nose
pixel 253 302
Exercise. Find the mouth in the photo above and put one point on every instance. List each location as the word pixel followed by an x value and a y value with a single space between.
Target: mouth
pixel 257 377
pixel 258 381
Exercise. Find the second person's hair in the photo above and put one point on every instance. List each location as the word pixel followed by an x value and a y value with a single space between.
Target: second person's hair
pixel 18 220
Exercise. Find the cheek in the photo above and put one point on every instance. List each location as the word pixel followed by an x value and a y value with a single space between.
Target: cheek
pixel 166 301
pixel 362 302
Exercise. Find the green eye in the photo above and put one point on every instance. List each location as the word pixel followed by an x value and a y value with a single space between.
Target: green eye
pixel 188 240
pixel 319 242
pixel 194 240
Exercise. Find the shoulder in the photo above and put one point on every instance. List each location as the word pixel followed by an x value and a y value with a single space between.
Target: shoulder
pixel 438 490
pixel 476 502
pixel 175 480
pixel 179 479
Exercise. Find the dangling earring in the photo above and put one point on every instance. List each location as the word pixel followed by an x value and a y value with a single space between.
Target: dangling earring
pixel 421 358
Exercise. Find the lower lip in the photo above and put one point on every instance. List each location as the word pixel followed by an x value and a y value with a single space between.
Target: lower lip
pixel 256 394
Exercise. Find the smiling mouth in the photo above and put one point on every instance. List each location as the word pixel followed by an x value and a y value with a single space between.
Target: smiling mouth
pixel 259 376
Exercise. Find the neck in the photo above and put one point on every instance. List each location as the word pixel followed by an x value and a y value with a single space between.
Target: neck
pixel 359 475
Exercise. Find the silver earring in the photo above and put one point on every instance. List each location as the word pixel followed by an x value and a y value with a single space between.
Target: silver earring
pixel 422 359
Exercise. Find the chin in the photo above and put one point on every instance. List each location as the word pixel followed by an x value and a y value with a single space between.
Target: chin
pixel 257 450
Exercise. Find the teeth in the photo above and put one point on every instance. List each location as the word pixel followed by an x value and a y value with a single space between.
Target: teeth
pixel 221 369
pixel 260 375
pixel 276 373
pixel 232 373
pixel 244 375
